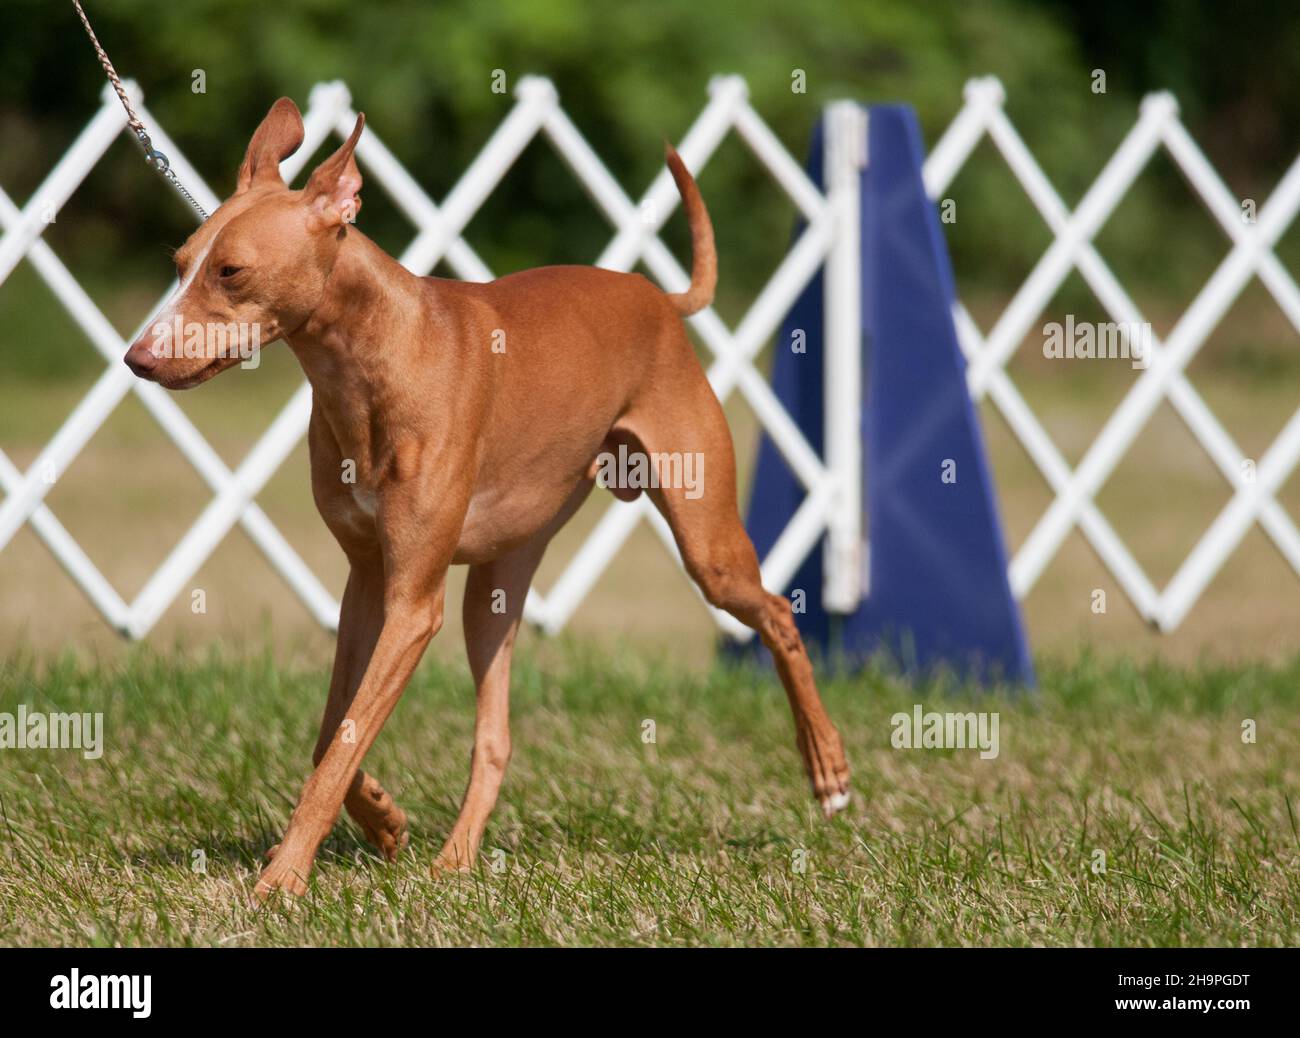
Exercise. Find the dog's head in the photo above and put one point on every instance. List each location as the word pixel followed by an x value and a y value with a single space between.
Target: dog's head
pixel 257 267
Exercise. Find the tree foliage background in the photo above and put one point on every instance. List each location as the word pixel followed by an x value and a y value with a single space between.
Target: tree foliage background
pixel 630 73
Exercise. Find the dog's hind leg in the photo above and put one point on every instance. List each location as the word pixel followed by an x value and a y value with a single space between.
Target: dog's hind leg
pixel 494 603
pixel 681 427
pixel 721 559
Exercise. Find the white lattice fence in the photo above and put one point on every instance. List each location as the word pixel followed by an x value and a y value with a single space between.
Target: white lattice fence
pixel 830 505
pixel 536 111
pixel 1075 490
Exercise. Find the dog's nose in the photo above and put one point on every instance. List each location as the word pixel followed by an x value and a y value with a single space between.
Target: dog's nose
pixel 140 361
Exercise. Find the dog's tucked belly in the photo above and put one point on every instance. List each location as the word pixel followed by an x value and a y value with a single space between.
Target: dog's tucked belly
pixel 527 479
pixel 502 518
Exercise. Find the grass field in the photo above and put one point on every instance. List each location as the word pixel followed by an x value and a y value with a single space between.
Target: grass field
pixel 707 836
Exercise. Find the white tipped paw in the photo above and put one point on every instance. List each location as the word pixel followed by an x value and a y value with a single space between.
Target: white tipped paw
pixel 835 803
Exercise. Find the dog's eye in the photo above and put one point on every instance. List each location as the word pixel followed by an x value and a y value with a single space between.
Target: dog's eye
pixel 229 272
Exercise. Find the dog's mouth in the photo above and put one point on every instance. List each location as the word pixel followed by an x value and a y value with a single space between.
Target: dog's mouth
pixel 197 378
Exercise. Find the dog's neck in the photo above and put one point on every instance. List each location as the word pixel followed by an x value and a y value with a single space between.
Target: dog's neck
pixel 364 281
pixel 357 345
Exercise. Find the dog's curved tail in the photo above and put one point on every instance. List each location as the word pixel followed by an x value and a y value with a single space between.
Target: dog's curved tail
pixel 704 262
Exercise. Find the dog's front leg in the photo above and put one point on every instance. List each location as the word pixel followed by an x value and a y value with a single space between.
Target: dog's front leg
pixel 360 621
pixel 409 625
pixel 416 553
pixel 489 644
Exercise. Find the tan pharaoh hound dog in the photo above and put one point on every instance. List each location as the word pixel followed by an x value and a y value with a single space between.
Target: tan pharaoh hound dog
pixel 460 451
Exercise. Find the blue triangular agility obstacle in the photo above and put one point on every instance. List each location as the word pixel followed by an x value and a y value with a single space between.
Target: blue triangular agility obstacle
pixel 938 594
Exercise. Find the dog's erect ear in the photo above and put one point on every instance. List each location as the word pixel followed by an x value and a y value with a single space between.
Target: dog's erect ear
pixel 332 190
pixel 279 136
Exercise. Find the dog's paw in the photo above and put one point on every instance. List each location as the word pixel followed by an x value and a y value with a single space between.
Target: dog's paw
pixel 379 817
pixel 388 835
pixel 824 763
pixel 277 878
pixel 449 864
pixel 834 803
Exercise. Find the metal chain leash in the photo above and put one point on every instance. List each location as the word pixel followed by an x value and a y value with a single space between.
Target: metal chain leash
pixel 152 155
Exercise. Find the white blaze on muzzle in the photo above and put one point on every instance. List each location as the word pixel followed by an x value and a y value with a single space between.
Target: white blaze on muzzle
pixel 166 316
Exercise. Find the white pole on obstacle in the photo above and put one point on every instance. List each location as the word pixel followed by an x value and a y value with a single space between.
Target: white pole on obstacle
pixel 845 158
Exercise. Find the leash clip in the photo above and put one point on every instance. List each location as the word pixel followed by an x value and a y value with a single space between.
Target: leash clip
pixel 155 158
